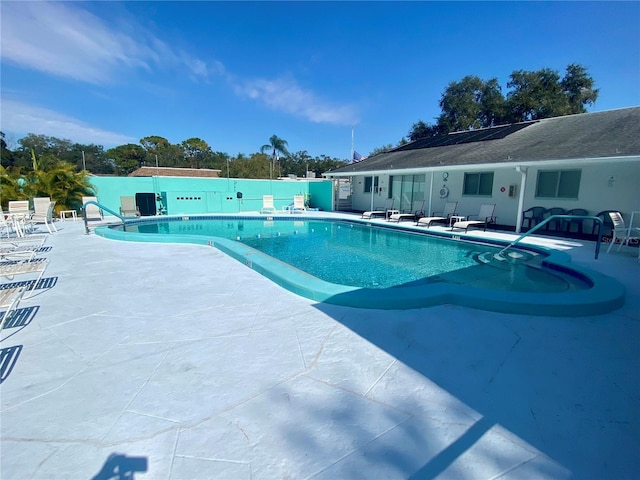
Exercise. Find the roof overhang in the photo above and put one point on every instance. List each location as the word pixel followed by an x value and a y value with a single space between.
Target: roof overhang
pixel 489 166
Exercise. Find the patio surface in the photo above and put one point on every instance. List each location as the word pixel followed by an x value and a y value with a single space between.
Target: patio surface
pixel 177 362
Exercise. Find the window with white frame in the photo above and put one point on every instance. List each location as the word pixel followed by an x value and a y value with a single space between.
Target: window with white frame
pixel 478 184
pixel 558 184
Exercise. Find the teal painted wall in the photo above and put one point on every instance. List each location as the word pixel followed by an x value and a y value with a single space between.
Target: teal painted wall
pixel 212 195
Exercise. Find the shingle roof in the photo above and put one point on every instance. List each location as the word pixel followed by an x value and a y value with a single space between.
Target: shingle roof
pixel 613 133
pixel 174 172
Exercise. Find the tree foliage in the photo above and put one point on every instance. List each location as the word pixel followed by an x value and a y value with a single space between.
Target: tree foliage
pixel 58 180
pixel 276 144
pixel 421 129
pixel 473 103
pixel 127 158
pixel 191 153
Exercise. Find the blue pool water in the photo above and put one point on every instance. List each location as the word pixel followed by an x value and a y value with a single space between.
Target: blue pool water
pixel 363 256
pixel 358 264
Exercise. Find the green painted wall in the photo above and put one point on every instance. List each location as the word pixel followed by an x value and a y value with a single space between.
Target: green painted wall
pixel 212 195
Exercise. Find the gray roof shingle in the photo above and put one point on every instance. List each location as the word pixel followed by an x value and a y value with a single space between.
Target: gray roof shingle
pixel 612 133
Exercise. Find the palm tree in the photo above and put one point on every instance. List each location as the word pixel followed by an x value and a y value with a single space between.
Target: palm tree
pixel 11 185
pixel 61 183
pixel 279 146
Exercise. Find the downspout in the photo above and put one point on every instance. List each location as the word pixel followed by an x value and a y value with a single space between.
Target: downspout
pixel 523 183
pixel 373 179
pixel 430 211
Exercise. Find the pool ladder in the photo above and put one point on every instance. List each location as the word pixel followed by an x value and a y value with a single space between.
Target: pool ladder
pixel 598 220
pixel 102 207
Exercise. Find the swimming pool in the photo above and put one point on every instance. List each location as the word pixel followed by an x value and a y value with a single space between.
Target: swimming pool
pixel 357 264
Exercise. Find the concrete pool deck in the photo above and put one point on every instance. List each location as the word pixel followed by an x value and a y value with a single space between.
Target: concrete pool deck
pixel 178 362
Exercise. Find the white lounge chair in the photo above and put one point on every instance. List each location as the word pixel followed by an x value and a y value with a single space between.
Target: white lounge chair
pixel 9 301
pixel 449 209
pixel 22 250
pixel 18 215
pixel 11 270
pixel 418 208
pixel 41 204
pixel 380 212
pixel 128 207
pixel 91 211
pixel 485 217
pixel 6 226
pixel 620 231
pixel 298 204
pixel 19 207
pixel 267 204
pixel 43 213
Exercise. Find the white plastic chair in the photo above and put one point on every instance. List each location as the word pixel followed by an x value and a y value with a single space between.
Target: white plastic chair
pixel 619 231
pixel 267 204
pixel 43 214
pixel 298 204
pixel 91 211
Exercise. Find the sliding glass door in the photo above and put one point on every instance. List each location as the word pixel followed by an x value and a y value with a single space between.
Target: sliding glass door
pixel 407 190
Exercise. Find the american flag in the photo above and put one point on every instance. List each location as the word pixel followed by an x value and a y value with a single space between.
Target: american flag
pixel 357 157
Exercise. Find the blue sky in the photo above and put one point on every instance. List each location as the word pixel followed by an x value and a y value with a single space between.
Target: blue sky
pixel 235 73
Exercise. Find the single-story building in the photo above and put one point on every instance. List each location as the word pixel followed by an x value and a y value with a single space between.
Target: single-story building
pixel 588 161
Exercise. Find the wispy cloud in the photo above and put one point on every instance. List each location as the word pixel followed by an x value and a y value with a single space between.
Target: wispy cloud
pixel 64 40
pixel 287 96
pixel 21 119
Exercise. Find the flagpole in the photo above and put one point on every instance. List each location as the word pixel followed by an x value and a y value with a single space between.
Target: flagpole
pixel 352 127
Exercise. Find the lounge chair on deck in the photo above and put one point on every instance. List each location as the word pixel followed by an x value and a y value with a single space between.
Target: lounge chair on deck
pixel 485 217
pixel 18 215
pixel 91 211
pixel 128 207
pixel 449 209
pixel 298 204
pixel 9 301
pixel 620 231
pixel 34 240
pixel 381 212
pixel 418 210
pixel 6 227
pixel 21 251
pixel 267 204
pixel 19 207
pixel 13 269
pixel 43 213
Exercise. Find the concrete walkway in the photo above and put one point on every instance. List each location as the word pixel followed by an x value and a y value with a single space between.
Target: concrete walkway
pixel 177 362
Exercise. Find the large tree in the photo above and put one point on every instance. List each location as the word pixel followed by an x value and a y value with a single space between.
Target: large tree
pixel 160 149
pixel 470 103
pixel 257 165
pixel 579 89
pixel 6 155
pixel 475 103
pixel 196 151
pixel 421 129
pixel 127 158
pixel 536 95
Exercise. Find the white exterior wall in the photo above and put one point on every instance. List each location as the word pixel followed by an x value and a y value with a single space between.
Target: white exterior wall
pixel 608 185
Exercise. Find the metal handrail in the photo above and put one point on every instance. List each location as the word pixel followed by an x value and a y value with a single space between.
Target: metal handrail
pixel 101 207
pixel 598 220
